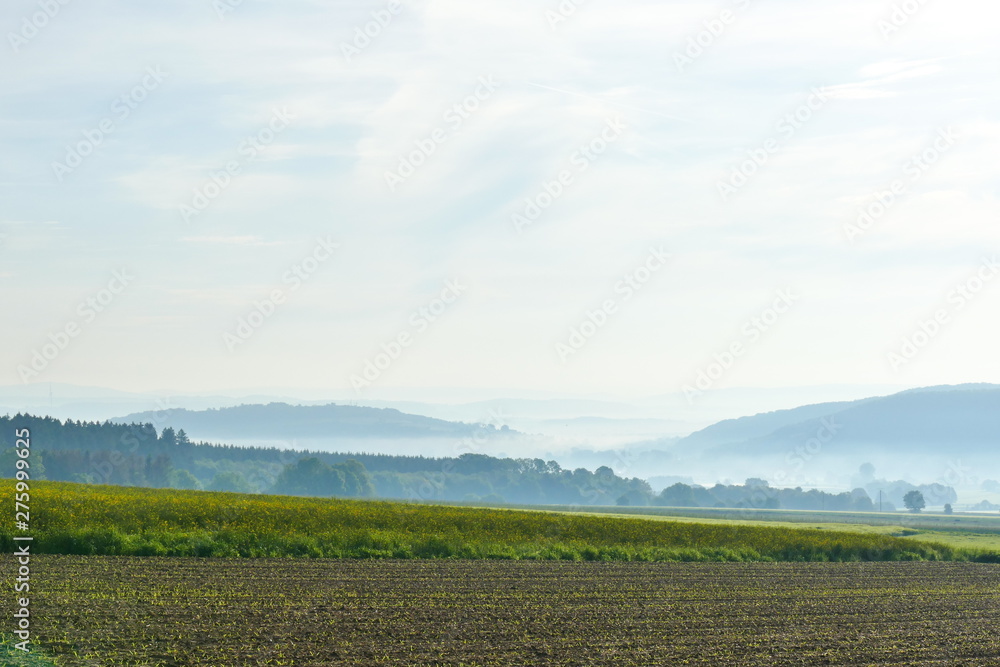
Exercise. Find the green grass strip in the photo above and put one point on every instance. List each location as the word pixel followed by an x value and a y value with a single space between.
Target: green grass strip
pixel 105 520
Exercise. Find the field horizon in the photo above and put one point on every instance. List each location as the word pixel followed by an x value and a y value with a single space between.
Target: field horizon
pixel 105 520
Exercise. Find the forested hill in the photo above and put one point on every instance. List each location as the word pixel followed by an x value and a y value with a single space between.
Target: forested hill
pixel 82 447
pixel 136 455
pixel 284 421
pixel 963 420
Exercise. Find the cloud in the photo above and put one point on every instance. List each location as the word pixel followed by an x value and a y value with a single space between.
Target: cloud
pixel 879 78
pixel 357 119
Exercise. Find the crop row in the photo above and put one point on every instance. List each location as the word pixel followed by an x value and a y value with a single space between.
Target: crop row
pixel 133 611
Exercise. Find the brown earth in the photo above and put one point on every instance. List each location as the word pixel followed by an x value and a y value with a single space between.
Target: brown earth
pixel 171 611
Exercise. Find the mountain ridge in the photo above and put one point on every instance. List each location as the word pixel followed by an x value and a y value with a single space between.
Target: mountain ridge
pixel 927 419
pixel 283 420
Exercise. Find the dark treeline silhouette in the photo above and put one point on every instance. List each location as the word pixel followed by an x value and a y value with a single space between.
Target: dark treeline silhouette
pixel 136 455
pixel 757 494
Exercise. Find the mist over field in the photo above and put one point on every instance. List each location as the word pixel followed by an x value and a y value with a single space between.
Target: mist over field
pixel 689 244
pixel 508 332
pixel 938 439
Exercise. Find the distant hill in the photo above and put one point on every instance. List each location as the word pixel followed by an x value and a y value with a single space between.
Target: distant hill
pixel 281 420
pixel 961 420
pixel 757 426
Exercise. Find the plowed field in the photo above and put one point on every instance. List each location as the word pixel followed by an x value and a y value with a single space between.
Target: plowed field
pixel 98 610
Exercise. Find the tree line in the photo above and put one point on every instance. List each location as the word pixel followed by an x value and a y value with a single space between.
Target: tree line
pixel 138 455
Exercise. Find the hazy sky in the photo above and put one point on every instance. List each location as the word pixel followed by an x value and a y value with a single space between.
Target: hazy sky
pixel 676 181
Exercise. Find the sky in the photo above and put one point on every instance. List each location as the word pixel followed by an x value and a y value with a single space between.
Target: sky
pixel 620 199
